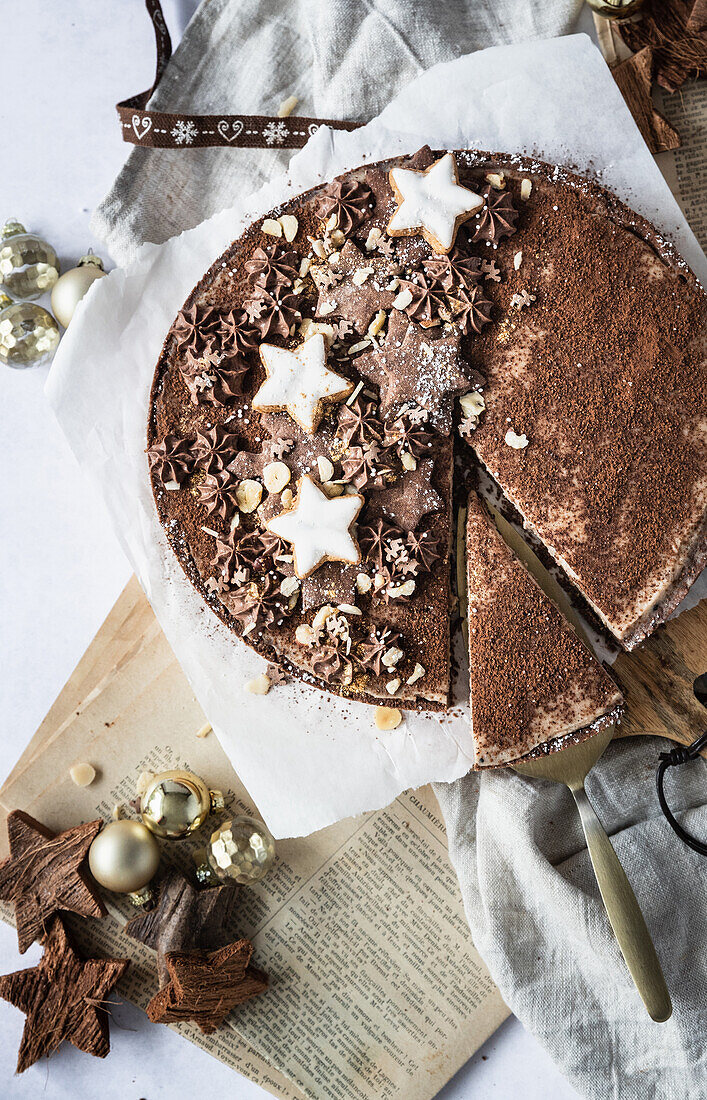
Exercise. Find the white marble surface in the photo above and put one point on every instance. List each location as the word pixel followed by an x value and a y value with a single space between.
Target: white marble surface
pixel 65 64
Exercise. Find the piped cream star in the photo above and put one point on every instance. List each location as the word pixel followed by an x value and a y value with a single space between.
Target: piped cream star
pixel 299 382
pixel 318 528
pixel 432 202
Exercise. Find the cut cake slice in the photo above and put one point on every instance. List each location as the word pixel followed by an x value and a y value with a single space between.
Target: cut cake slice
pixel 534 684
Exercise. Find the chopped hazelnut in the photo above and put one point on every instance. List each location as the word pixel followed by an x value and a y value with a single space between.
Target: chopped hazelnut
pixel 82 774
pixel 472 403
pixel 259 686
pixel 517 442
pixel 326 469
pixel 271 227
pixel 276 476
pixel 249 495
pixel 388 718
pixel 363 583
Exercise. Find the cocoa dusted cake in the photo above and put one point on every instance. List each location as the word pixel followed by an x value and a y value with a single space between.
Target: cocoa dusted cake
pixel 534 684
pixel 313 391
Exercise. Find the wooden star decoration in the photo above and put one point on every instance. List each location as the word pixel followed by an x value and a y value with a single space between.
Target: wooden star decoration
pixel 432 203
pixel 413 496
pixel 357 302
pixel 43 874
pixel 62 999
pixel 184 918
pixel 634 78
pixel 413 367
pixel 204 988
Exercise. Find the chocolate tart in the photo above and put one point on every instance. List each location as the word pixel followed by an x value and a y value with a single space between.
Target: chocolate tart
pixel 573 336
pixel 533 683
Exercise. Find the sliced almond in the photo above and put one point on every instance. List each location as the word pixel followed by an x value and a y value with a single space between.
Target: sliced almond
pixel 517 260
pixel 388 718
pixel 526 187
pixel 349 609
pixel 260 685
pixel 204 730
pixel 363 583
pixel 392 686
pixel 326 469
pixel 326 308
pixel 417 673
pixel 377 323
pixel 359 346
pixel 409 461
pixel 287 498
pixel 276 476
pixel 332 489
pixel 271 227
pixel 249 495
pixel 497 180
pixel 308 328
pixel 304 266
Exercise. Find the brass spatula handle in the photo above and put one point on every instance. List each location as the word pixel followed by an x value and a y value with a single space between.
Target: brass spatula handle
pixel 624 913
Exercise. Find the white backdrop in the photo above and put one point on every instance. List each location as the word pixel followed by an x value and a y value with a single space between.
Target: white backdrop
pixel 65 64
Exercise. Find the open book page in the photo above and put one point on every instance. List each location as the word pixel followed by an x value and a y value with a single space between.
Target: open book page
pixel 376 989
pixel 685 169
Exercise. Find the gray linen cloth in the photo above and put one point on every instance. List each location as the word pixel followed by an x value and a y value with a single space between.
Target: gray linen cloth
pixel 530 895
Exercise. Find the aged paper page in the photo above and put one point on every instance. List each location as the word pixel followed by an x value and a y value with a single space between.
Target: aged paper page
pixel 376 990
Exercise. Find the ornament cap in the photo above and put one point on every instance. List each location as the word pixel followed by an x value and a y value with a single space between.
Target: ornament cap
pixel 91 258
pixel 142 899
pixel 12 228
pixel 217 801
pixel 5 300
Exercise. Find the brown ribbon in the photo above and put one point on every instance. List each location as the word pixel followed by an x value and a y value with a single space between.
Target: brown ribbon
pixel 158 130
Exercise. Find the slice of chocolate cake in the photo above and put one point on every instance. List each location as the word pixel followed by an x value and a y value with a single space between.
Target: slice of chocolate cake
pixel 533 683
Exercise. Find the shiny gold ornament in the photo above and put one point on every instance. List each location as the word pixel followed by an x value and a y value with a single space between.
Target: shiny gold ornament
pixel 241 850
pixel 616 9
pixel 73 285
pixel 123 858
pixel 28 334
pixel 177 803
pixel 28 265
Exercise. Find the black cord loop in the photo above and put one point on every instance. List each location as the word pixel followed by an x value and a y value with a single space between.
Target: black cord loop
pixel 673 759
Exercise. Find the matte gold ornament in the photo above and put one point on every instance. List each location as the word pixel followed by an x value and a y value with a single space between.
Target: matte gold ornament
pixel 177 803
pixel 241 850
pixel 73 285
pixel 123 858
pixel 28 265
pixel 28 334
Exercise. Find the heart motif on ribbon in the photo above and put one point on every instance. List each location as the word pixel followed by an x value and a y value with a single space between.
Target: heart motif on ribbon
pixel 141 126
pixel 236 129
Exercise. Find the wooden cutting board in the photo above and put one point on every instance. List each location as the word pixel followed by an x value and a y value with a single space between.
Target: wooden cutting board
pixel 657 680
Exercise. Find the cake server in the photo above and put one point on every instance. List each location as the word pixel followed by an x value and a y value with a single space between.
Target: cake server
pixel 571 767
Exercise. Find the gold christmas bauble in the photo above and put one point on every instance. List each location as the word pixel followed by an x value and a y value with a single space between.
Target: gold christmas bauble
pixel 28 334
pixel 177 803
pixel 241 850
pixel 124 856
pixel 28 265
pixel 72 286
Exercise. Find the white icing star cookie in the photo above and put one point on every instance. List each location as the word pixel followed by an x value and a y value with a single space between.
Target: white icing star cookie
pixel 318 528
pixel 432 202
pixel 299 382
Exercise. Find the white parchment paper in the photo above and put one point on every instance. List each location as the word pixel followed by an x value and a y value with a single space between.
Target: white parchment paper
pixel 307 758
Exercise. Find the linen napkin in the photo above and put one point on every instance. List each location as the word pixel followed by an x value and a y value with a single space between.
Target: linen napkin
pixel 529 891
